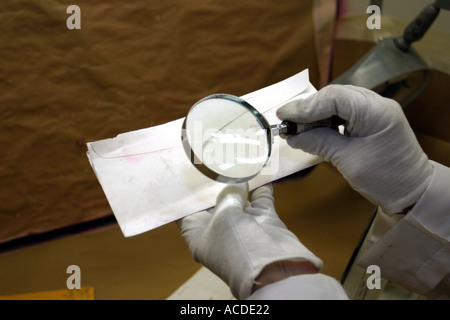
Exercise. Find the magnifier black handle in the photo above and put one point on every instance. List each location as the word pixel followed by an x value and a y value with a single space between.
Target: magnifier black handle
pixel 293 128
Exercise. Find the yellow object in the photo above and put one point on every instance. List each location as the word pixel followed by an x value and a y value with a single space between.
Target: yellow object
pixel 85 293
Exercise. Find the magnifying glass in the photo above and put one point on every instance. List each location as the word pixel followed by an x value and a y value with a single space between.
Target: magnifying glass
pixel 230 141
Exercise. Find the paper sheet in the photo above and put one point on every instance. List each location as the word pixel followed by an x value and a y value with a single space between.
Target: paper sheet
pixel 84 293
pixel 149 181
pixel 203 285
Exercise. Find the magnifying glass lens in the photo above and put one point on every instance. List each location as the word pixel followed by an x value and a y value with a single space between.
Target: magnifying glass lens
pixel 227 138
pixel 229 141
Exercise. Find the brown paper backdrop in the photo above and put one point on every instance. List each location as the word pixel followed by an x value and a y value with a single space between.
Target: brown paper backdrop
pixel 133 64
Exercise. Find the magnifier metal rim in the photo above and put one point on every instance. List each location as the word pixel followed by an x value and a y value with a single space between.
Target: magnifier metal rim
pixel 202 167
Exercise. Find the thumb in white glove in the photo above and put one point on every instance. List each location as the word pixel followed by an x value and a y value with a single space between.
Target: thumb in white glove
pixel 237 239
pixel 379 154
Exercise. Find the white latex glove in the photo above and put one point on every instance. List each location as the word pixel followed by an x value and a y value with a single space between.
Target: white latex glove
pixel 237 239
pixel 379 154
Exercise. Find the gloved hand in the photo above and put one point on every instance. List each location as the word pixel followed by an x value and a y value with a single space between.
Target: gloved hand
pixel 237 239
pixel 379 154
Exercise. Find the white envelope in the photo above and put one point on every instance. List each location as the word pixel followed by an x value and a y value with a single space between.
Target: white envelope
pixel 149 180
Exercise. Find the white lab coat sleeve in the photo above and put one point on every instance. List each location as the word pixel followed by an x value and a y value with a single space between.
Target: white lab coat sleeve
pixel 415 252
pixel 302 287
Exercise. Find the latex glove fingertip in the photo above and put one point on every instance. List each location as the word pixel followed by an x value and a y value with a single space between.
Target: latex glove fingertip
pixel 233 195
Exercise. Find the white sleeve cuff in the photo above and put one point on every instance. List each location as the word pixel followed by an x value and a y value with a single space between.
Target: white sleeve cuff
pixel 302 287
pixel 415 253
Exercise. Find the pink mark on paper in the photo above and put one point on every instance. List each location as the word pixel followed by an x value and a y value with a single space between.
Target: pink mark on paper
pixel 134 159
